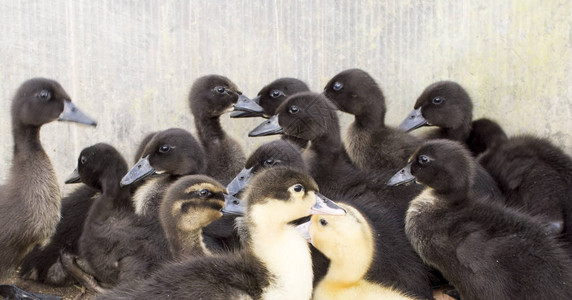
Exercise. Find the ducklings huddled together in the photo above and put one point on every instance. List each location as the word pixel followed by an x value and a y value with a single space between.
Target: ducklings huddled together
pixel 383 214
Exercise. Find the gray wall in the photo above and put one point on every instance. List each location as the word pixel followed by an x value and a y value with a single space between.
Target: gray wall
pixel 129 64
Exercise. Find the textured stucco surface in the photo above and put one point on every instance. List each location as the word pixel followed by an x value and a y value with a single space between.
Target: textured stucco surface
pixel 129 64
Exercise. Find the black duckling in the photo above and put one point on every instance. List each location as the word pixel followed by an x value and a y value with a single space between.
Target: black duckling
pixel 446 105
pixel 30 200
pixel 348 241
pixel 535 177
pixel 269 99
pixel 275 153
pixel 44 264
pixel 313 117
pixel 275 265
pixel 487 251
pixel 209 98
pixel 370 143
pixel 117 244
pixel 190 204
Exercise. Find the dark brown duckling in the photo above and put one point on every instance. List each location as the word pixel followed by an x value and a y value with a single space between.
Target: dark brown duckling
pixel 30 200
pixel 370 143
pixel 209 98
pixel 275 264
pixel 486 250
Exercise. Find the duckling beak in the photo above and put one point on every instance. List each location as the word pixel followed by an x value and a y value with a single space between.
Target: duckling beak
pixel 304 230
pixel 268 127
pixel 413 121
pixel 401 177
pixel 139 171
pixel 232 206
pixel 325 206
pixel 72 114
pixel 73 177
pixel 239 182
pixel 245 108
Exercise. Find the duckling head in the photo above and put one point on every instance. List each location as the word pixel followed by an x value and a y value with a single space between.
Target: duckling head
pixel 212 95
pixel 39 101
pixel 443 104
pixel 173 151
pixel 354 91
pixel 443 165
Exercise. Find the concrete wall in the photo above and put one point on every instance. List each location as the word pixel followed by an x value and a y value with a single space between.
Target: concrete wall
pixel 129 64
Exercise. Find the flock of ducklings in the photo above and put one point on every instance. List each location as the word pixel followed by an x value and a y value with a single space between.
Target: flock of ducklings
pixel 463 207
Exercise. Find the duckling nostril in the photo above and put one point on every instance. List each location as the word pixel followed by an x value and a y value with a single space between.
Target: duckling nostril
pixel 412 117
pixel 139 166
pixel 235 202
pixel 74 109
pixel 241 178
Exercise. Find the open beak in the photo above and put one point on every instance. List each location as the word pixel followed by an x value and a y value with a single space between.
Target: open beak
pixel 232 206
pixel 140 170
pixel 304 230
pixel 401 177
pixel 239 182
pixel 413 121
pixel 73 177
pixel 246 108
pixel 268 127
pixel 325 206
pixel 72 114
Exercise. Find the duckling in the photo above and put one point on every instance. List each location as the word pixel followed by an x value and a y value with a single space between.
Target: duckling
pixel 486 250
pixel 313 117
pixel 275 265
pixel 370 143
pixel 209 98
pixel 485 134
pixel 349 243
pixel 170 154
pixel 190 203
pixel 30 201
pixel 535 177
pixel 44 264
pixel 448 106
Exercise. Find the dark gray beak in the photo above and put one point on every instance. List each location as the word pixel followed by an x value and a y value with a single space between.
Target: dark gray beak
pixel 72 114
pixel 73 177
pixel 140 170
pixel 232 206
pixel 401 177
pixel 239 182
pixel 245 108
pixel 268 127
pixel 325 206
pixel 413 121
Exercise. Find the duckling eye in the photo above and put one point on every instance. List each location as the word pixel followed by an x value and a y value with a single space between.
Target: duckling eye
pixel 205 193
pixel 83 160
pixel 337 86
pixel 276 94
pixel 293 110
pixel 423 159
pixel 437 100
pixel 45 95
pixel 220 89
pixel 269 162
pixel 298 188
pixel 323 222
pixel 164 148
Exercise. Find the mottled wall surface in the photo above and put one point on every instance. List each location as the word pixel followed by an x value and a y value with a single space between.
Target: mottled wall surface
pixel 129 64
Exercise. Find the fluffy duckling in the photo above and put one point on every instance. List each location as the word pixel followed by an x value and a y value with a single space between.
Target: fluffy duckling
pixel 446 105
pixel 535 177
pixel 349 244
pixel 30 201
pixel 312 117
pixel 116 244
pixel 276 263
pixel 370 143
pixel 191 203
pixel 209 98
pixel 487 251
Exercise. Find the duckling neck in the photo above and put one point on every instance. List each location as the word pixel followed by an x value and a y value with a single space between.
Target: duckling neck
pixel 285 254
pixel 370 120
pixel 26 139
pixel 187 244
pixel 121 197
pixel 347 270
pixel 328 144
pixel 209 129
pixel 460 134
